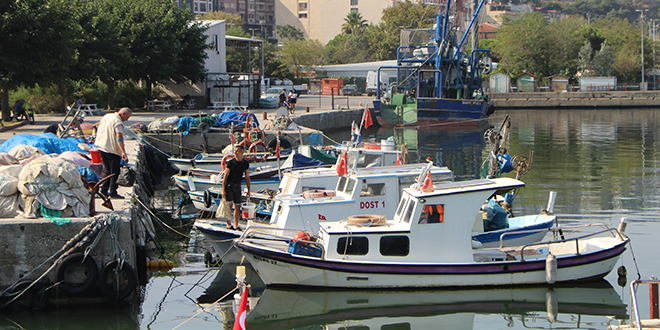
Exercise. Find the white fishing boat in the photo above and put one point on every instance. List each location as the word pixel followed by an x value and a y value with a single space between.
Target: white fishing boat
pixel 363 190
pixel 287 308
pixel 428 243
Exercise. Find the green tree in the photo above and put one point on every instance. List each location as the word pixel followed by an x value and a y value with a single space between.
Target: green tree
pixel 230 19
pixel 584 60
pixel 348 48
pixel 289 32
pixel 303 54
pixel 354 23
pixel 628 63
pixel 524 45
pixel 603 61
pixel 384 38
pixel 37 43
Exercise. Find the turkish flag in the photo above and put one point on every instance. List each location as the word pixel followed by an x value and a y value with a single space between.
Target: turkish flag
pixel 428 183
pixel 322 217
pixel 341 167
pixel 367 118
pixel 239 322
pixel 398 160
pixel 277 148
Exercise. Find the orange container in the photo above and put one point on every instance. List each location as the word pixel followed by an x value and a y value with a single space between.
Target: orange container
pixel 331 85
pixel 96 156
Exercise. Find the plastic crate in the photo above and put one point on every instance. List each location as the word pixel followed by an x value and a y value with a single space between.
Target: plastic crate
pixel 304 250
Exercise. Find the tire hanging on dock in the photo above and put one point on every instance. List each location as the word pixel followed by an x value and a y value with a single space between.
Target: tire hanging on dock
pixel 36 298
pixel 208 199
pixel 117 280
pixel 77 274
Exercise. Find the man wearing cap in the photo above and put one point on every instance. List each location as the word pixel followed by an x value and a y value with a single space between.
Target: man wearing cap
pixel 110 140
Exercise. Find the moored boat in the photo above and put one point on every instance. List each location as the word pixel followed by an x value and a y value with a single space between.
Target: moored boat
pixel 397 254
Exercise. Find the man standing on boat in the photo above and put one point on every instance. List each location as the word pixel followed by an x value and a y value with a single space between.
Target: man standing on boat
pixel 110 140
pixel 231 183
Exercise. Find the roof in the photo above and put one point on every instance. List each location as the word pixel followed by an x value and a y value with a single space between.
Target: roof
pixel 526 73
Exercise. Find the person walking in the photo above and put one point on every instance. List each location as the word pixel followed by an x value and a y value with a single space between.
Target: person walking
pixel 282 97
pixel 231 183
pixel 293 98
pixel 110 140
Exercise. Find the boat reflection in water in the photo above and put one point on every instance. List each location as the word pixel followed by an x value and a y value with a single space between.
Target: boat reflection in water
pixel 451 309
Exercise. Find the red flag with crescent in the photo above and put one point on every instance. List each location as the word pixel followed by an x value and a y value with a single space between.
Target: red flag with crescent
pixel 239 322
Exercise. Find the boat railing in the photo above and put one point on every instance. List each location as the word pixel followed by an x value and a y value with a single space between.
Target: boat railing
pixel 557 230
pixel 265 233
pixel 613 231
pixel 633 299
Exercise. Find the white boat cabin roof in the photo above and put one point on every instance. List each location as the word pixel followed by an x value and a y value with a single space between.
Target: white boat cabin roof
pixel 440 220
pixel 363 191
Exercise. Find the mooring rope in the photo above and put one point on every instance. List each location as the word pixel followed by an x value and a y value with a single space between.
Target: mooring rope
pixel 205 308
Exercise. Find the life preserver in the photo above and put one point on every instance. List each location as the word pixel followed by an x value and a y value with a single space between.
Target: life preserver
pixel 223 163
pixel 36 298
pixel 76 274
pixel 253 149
pixel 208 199
pixel 318 193
pixel 367 220
pixel 117 283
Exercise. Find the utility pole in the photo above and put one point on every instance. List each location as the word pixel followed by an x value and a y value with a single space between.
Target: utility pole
pixel 642 87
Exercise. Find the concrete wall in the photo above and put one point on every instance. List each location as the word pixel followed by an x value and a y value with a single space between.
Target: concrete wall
pixel 27 243
pixel 617 99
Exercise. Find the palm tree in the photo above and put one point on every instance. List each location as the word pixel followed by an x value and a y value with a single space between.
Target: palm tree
pixel 353 23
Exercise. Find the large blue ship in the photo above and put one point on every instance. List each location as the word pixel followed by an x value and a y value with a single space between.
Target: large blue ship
pixel 436 80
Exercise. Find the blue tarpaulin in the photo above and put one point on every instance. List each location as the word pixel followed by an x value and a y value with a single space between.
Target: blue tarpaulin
pixel 300 160
pixel 48 142
pixel 184 124
pixel 238 118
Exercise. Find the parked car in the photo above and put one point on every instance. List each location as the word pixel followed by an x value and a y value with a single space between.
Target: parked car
pixel 351 90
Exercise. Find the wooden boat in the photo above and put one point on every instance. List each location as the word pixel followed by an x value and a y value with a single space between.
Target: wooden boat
pixel 279 308
pixel 419 248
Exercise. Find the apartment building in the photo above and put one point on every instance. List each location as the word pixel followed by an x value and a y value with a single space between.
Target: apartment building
pixel 322 19
pixel 258 15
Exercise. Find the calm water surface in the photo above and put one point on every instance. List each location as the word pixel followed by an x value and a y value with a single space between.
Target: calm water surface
pixel 604 165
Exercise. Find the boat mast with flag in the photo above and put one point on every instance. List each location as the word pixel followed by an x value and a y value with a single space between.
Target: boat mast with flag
pixel 436 80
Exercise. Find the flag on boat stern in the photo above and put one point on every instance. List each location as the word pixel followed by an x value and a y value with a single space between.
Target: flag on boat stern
pixel 367 118
pixel 239 322
pixel 428 183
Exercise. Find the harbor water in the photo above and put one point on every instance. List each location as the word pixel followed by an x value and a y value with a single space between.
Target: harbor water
pixel 603 164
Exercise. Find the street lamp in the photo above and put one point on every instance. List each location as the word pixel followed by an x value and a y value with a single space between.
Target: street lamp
pixel 642 31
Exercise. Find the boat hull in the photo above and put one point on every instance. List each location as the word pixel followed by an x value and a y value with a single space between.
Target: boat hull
pixel 221 239
pixel 280 268
pixel 429 111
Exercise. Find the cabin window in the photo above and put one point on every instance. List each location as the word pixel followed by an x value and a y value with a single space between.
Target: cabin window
pixel 341 184
pixel 372 189
pixel 351 186
pixel 433 213
pixel 304 188
pixel 401 206
pixel 398 246
pixel 353 245
pixel 408 211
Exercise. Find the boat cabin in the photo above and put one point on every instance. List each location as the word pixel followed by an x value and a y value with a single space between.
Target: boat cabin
pixel 367 190
pixel 427 227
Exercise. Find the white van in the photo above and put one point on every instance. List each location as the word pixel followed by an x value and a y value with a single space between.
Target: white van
pixel 371 87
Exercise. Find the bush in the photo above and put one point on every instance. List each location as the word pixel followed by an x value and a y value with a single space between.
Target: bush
pixel 127 94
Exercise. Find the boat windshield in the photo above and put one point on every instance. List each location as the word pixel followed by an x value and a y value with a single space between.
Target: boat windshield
pixel 341 184
pixel 408 211
pixel 402 203
pixel 351 185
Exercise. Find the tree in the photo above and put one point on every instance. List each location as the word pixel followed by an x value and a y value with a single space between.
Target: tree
pixel 603 61
pixel 230 19
pixel 354 23
pixel 303 54
pixel 628 63
pixel 348 48
pixel 524 45
pixel 584 60
pixel 37 43
pixel 289 32
pixel 385 37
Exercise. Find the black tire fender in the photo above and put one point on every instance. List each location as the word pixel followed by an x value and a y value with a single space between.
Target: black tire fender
pixel 284 144
pixel 73 266
pixel 36 298
pixel 117 283
pixel 208 199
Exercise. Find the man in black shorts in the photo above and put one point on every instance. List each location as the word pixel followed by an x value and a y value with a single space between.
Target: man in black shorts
pixel 231 183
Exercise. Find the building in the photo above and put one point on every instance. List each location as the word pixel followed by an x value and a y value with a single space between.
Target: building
pixel 322 19
pixel 558 83
pixel 258 15
pixel 222 86
pixel 526 82
pixel 488 30
pixel 500 83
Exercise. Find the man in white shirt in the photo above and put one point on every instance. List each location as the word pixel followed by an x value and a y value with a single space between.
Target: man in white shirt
pixel 110 140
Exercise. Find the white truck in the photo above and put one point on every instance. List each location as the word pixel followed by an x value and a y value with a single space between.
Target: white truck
pixel 372 85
